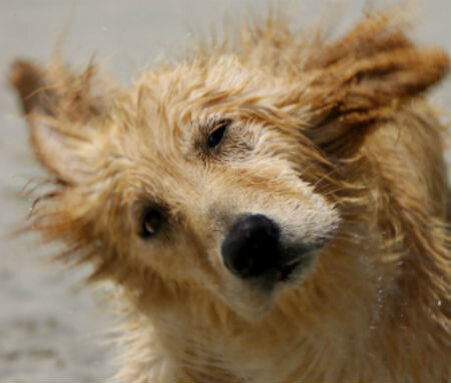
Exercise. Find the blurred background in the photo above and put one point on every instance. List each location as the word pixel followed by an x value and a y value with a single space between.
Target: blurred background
pixel 51 328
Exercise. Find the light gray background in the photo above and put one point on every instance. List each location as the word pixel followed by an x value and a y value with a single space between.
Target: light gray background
pixel 50 328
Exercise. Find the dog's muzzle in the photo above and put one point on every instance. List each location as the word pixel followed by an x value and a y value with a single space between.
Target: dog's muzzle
pixel 252 249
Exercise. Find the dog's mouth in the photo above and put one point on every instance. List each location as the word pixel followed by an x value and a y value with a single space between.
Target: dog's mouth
pixel 262 263
pixel 286 272
pixel 253 251
pixel 254 296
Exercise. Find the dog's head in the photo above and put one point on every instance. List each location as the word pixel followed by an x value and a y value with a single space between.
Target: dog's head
pixel 219 174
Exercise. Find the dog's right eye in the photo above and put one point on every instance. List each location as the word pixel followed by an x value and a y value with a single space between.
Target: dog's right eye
pixel 151 223
pixel 216 136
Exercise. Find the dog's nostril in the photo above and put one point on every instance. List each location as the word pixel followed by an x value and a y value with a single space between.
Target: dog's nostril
pixel 251 246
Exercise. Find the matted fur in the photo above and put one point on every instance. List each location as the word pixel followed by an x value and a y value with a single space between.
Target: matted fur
pixel 330 138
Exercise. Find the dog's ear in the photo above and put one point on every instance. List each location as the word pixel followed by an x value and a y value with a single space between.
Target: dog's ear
pixel 362 79
pixel 59 108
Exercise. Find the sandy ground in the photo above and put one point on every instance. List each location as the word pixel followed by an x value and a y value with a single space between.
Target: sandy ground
pixel 51 330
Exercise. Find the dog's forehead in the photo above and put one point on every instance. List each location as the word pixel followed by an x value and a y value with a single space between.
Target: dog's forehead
pixel 161 122
pixel 167 105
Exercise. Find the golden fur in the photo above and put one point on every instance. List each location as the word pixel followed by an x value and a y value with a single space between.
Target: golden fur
pixel 330 139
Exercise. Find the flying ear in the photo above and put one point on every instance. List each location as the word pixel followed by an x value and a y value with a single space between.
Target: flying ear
pixel 363 78
pixel 60 111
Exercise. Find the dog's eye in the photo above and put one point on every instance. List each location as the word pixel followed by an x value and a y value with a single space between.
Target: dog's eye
pixel 215 138
pixel 151 223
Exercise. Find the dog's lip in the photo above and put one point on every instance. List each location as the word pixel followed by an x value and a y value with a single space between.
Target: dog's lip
pixel 286 271
pixel 294 260
pixel 283 274
pixel 291 262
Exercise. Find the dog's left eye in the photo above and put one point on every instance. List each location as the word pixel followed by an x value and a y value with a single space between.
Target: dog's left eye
pixel 216 136
pixel 151 223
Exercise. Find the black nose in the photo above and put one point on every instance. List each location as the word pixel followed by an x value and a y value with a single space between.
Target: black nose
pixel 251 246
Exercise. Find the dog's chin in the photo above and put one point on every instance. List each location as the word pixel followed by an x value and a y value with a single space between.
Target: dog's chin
pixel 249 303
pixel 253 299
pixel 255 310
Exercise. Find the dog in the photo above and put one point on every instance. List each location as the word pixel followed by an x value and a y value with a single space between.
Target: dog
pixel 271 209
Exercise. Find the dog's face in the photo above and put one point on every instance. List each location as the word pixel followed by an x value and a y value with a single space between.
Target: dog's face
pixel 218 196
pixel 214 184
pixel 208 175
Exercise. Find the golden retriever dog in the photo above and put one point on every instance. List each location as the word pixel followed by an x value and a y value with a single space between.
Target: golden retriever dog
pixel 273 209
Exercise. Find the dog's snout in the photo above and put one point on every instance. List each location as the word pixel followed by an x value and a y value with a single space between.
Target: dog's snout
pixel 251 246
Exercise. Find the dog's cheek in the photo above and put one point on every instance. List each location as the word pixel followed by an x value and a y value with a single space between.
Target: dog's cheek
pixel 177 259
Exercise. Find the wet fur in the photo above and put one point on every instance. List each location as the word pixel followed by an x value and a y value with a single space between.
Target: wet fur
pixel 328 137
